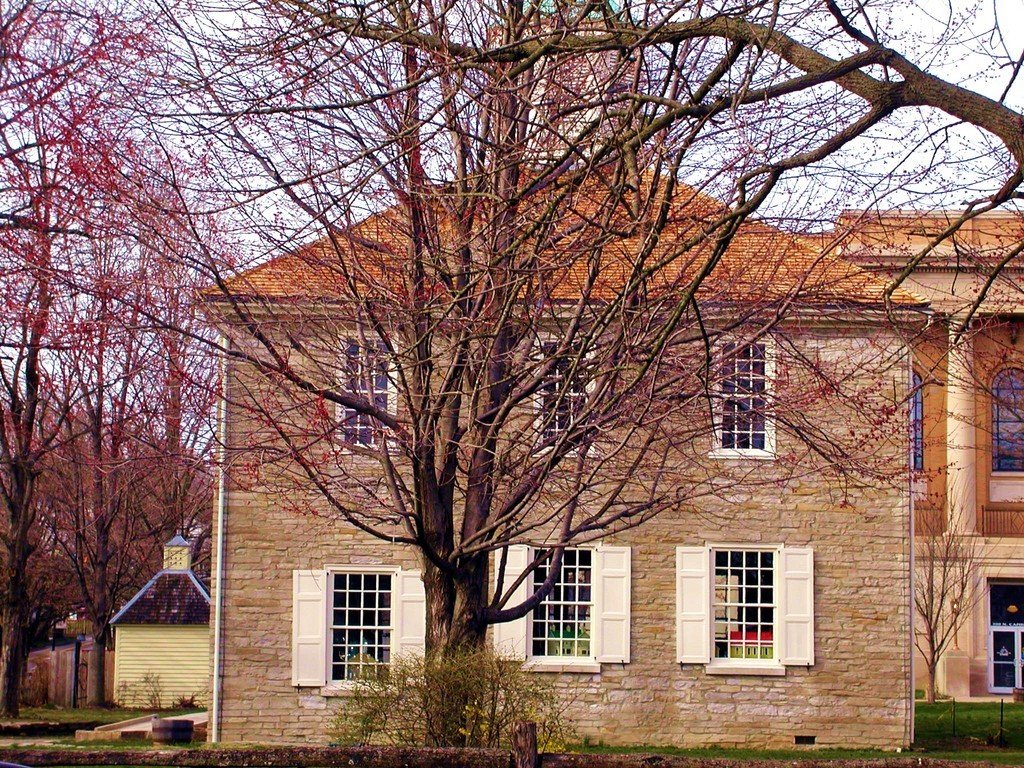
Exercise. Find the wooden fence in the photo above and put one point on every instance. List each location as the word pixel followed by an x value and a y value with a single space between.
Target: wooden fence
pixel 50 677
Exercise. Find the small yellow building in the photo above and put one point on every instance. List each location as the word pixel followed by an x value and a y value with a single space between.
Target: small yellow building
pixel 162 637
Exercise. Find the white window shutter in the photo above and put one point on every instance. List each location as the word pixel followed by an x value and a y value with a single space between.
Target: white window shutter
pixel 410 619
pixel 309 628
pixel 613 603
pixel 693 605
pixel 510 637
pixel 796 601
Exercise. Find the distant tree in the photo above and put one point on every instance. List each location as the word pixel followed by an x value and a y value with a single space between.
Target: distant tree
pixel 132 469
pixel 64 140
pixel 946 588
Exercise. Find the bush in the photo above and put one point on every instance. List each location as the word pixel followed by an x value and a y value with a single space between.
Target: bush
pixel 467 700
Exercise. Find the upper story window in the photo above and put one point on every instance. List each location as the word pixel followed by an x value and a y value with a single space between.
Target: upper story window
pixel 1008 421
pixel 563 393
pixel 365 375
pixel 744 604
pixel 360 624
pixel 916 422
pixel 562 622
pixel 744 376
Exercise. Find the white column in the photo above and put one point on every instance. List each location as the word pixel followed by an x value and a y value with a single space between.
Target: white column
pixel 961 491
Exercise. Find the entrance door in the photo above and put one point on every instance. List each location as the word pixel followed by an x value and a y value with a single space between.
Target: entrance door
pixel 1005 660
pixel 1006 636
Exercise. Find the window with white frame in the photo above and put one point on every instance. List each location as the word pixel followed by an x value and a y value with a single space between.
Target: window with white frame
pixel 743 423
pixel 364 375
pixel 360 624
pixel 562 622
pixel 744 604
pixel 562 394
pixel 744 609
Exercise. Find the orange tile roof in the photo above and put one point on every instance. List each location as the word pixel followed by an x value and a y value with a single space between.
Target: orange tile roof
pixel 762 263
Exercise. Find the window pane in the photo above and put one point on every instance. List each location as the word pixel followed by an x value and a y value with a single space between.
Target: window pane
pixel 365 376
pixel 562 394
pixel 743 606
pixel 1008 421
pixel 742 387
pixel 360 624
pixel 916 423
pixel 561 623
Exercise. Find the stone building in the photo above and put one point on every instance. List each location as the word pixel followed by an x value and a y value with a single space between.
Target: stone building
pixel 968 455
pixel 770 608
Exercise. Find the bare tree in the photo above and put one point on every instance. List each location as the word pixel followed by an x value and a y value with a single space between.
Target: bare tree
pixel 495 194
pixel 946 589
pixel 64 146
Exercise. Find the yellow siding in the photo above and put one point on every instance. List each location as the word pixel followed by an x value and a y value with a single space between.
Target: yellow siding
pixel 160 661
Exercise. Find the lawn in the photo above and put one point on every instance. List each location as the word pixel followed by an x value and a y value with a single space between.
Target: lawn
pixel 977 730
pixel 81 715
pixel 976 724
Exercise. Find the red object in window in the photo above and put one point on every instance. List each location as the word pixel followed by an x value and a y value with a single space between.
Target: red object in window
pixel 751 638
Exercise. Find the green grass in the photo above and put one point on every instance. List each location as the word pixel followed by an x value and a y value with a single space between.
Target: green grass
pixel 977 729
pixel 977 724
pixel 80 715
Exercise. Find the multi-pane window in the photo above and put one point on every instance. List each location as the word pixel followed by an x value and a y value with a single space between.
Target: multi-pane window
pixel 1008 421
pixel 562 622
pixel 365 375
pixel 562 394
pixel 916 423
pixel 744 604
pixel 743 387
pixel 360 623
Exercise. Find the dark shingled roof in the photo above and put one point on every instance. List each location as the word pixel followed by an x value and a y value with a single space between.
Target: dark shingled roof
pixel 171 597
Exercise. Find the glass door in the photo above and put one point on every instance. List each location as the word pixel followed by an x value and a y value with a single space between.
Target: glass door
pixel 1005 660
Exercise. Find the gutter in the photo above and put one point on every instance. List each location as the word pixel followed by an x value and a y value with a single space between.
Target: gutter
pixel 222 434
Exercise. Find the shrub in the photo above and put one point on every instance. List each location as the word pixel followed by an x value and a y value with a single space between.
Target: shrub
pixel 186 702
pixel 467 700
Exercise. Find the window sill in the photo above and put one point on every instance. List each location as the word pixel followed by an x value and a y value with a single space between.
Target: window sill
pixel 339 688
pixel 742 453
pixel 765 670
pixel 582 666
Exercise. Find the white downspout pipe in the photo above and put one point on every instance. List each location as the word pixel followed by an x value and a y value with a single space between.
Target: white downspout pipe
pixel 222 434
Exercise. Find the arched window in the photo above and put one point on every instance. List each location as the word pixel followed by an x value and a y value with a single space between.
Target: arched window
pixel 916 423
pixel 1008 421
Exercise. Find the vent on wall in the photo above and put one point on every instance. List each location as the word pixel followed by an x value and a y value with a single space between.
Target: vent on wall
pixel 805 741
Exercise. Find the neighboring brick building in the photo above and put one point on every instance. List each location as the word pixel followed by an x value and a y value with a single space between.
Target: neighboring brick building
pixel 775 612
pixel 969 436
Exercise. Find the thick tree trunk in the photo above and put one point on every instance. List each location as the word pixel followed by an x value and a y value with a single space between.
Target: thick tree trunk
pixel 455 628
pixel 929 686
pixel 455 609
pixel 11 655
pixel 96 690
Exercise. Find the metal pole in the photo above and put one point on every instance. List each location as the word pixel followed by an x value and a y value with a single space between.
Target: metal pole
pixel 1002 738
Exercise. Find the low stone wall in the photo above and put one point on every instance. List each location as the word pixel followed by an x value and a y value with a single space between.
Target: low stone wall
pixel 389 757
